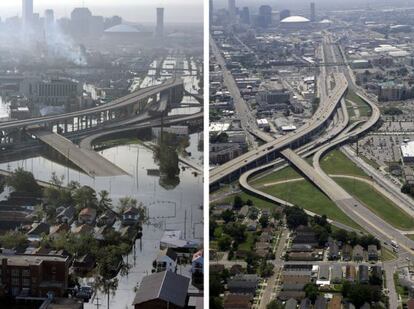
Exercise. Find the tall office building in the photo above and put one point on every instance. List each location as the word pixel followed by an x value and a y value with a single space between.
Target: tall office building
pixel 49 21
pixel 312 12
pixel 284 14
pixel 232 10
pixel 160 22
pixel 27 14
pixel 81 23
pixel 265 16
pixel 245 15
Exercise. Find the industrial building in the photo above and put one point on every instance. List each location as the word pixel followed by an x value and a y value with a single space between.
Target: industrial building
pixel 271 93
pixel 51 91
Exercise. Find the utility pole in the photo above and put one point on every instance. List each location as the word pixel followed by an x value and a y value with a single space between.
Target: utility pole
pixel 185 224
pixel 97 303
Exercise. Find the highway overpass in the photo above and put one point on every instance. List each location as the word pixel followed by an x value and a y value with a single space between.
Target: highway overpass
pixel 123 108
pixel 268 152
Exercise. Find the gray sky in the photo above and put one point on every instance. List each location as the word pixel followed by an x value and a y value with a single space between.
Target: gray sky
pixel 131 10
pixel 329 4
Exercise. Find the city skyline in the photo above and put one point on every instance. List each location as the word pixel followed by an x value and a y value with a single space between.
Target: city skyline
pixel 144 13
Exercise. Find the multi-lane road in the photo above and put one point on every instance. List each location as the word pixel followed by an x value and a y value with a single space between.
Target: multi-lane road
pixel 243 112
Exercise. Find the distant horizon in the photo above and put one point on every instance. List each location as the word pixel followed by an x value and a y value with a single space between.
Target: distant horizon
pixel 182 11
pixel 322 4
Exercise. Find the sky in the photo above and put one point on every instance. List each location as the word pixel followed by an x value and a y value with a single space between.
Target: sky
pixel 328 4
pixel 141 11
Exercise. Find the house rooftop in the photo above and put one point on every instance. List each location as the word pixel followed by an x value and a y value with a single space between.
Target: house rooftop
pixel 166 285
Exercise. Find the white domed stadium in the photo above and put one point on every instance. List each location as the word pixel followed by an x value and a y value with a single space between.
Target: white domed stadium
pixel 125 34
pixel 294 22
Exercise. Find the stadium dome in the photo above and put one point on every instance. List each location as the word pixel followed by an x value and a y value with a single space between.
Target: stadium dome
pixel 326 21
pixel 295 19
pixel 122 29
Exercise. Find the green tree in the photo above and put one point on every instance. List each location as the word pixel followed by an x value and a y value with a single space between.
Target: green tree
pixel 311 291
pixel 264 221
pixel 216 302
pixel 224 242
pixel 13 239
pixel 107 286
pixel 295 217
pixel 24 182
pixel 274 304
pixel 265 269
pixel 127 202
pixel 228 216
pixel 237 202
pixel 105 202
pixel 84 197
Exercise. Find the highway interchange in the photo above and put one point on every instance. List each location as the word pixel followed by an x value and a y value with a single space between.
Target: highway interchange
pixel 338 133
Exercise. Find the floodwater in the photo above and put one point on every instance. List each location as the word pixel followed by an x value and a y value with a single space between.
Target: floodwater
pixel 175 209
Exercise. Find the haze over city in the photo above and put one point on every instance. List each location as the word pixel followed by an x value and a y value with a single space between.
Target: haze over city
pixel 323 4
pixel 177 11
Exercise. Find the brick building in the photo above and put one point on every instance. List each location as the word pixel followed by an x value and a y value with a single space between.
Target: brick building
pixel 33 275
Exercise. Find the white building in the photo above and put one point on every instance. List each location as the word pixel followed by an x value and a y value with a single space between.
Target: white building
pixel 263 124
pixel 407 151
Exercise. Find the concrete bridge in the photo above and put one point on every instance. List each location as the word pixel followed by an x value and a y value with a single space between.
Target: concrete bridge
pixel 170 93
pixel 141 109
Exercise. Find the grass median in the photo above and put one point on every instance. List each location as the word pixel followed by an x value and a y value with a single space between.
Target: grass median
pixel 307 196
pixel 337 163
pixel 377 203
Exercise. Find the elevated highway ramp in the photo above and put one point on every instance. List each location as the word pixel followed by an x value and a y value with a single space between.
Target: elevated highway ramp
pixel 88 160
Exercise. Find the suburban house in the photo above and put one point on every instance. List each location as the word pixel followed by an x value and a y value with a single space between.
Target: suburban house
pixel 106 219
pixel 243 284
pixel 197 264
pixel 87 216
pixel 84 264
pixel 358 253
pixel 363 273
pixel 336 273
pixel 291 304
pixel 237 301
pixel 66 215
pixel 333 253
pixel 372 253
pixel 131 216
pixel 164 290
pixel 166 260
pixel 347 252
pixel 38 230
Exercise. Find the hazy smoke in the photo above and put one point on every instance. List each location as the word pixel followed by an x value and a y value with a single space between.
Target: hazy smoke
pixel 62 46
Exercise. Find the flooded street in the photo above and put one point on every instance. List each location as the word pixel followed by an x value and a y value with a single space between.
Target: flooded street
pixel 175 209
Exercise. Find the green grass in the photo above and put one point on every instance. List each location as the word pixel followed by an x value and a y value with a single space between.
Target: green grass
pixel 284 174
pixel 303 194
pixel 350 109
pixel 248 243
pixel 335 162
pixel 410 236
pixel 377 203
pixel 387 255
pixel 364 108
